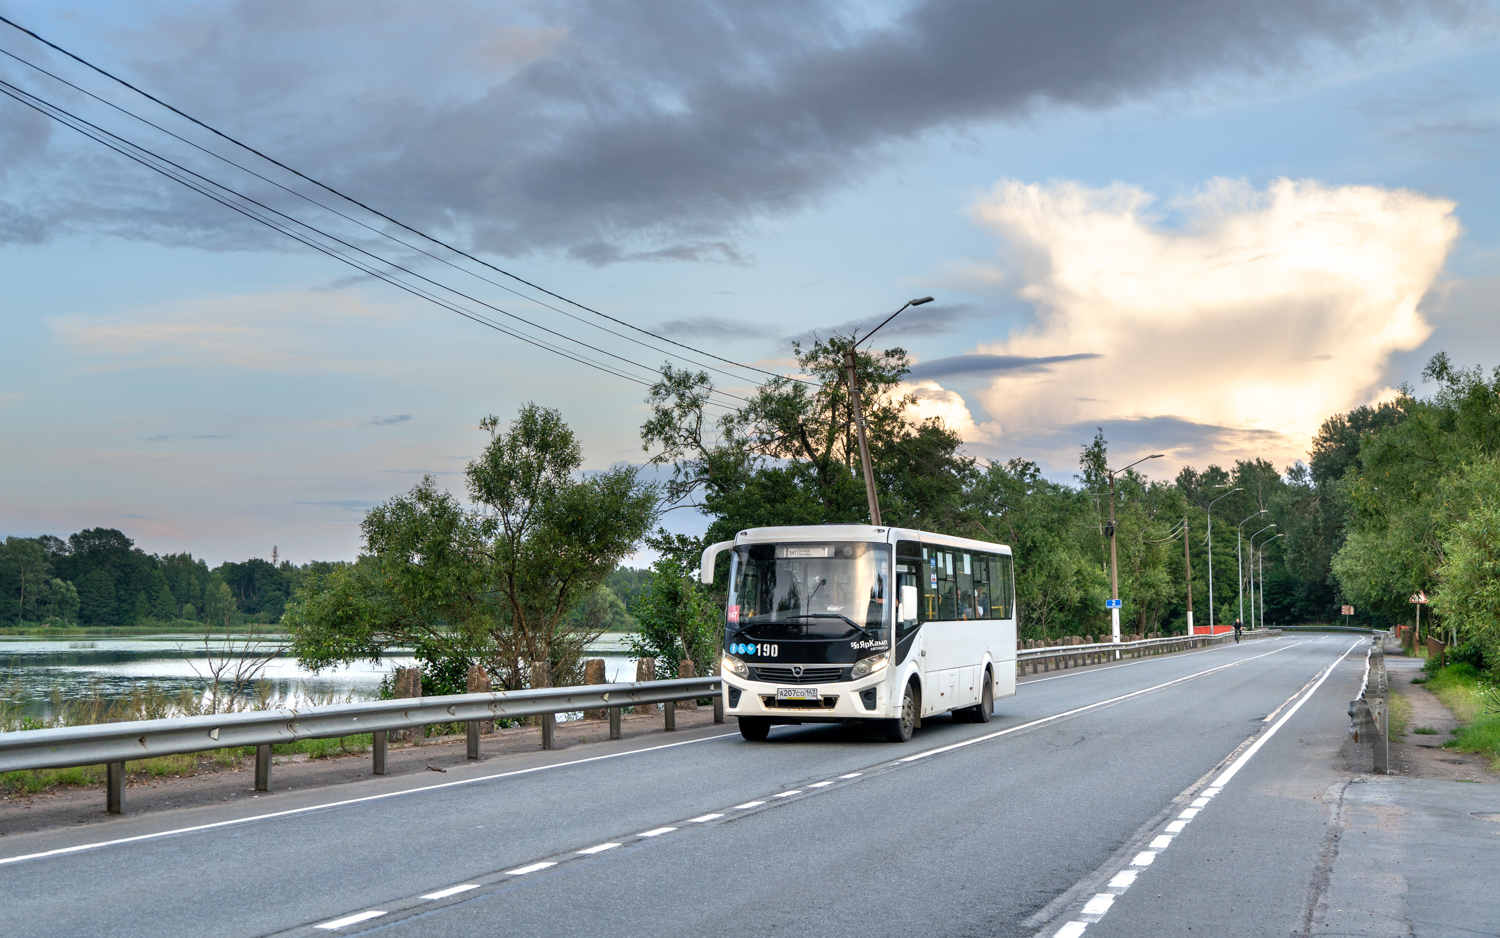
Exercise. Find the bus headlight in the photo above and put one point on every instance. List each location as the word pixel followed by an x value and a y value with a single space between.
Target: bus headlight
pixel 733 665
pixel 867 666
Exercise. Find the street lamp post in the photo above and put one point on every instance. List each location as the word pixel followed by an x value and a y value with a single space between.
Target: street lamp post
pixel 1262 558
pixel 1114 579
pixel 1253 555
pixel 1239 560
pixel 1211 555
pixel 850 363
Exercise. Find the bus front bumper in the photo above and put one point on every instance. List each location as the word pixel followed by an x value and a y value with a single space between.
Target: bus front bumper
pixel 864 699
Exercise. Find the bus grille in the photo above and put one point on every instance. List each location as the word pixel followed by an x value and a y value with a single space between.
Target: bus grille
pixel 784 675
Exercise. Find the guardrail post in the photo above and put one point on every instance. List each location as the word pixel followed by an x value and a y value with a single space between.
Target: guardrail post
pixel 614 722
pixel 669 709
pixel 114 798
pixel 685 668
pixel 263 767
pixel 549 720
pixel 593 673
pixel 477 682
pixel 377 747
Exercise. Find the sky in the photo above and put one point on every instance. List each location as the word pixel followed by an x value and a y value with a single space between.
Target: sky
pixel 1202 227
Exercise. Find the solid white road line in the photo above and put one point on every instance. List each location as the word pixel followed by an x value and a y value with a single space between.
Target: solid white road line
pixel 291 812
pixel 704 818
pixel 451 891
pixel 656 832
pixel 747 805
pixel 351 919
pixel 598 849
pixel 852 775
pixel 1096 907
pixel 787 794
pixel 1087 707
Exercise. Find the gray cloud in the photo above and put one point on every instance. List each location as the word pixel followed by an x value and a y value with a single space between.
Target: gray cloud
pixel 918 321
pixel 387 421
pixel 988 364
pixel 711 327
pixel 345 505
pixel 637 131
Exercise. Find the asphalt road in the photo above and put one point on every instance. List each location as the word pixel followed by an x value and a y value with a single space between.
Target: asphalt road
pixel 1059 816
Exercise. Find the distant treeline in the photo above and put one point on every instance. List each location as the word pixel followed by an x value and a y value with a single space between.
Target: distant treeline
pixel 98 578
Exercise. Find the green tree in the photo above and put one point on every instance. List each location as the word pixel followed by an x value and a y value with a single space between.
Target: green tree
pixel 497 583
pixel 789 454
pixel 678 620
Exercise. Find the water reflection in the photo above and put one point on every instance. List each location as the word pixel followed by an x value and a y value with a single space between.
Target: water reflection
pixel 32 669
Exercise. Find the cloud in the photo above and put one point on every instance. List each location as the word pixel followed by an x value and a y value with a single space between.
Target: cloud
pixel 262 332
pixel 712 327
pixel 624 131
pixel 388 421
pixel 919 321
pixel 986 364
pixel 1265 311
pixel 351 504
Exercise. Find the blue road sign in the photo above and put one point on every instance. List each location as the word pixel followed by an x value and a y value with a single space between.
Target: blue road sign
pixel 1113 603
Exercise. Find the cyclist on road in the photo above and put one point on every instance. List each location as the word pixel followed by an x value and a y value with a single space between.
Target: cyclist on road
pixel 1237 626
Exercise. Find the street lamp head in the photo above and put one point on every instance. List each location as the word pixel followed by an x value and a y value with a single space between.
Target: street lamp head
pixel 1156 455
pixel 920 301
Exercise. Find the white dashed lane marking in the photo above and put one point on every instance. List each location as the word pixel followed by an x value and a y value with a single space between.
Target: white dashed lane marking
pixel 531 868
pixel 1100 903
pixel 348 920
pixel 451 891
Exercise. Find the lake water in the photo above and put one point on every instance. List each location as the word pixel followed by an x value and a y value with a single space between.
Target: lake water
pixel 30 668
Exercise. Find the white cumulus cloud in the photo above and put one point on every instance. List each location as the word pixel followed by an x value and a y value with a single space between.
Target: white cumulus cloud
pixel 1253 313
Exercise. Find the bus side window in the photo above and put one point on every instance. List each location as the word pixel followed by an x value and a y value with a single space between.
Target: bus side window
pixel 947 586
pixel 911 570
pixel 963 575
pixel 1005 588
pixel 982 608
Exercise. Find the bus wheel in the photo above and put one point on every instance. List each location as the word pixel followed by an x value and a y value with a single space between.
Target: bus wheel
pixel 900 729
pixel 755 729
pixel 986 707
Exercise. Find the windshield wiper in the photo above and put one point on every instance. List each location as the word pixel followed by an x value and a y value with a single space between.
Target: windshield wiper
pixel 831 615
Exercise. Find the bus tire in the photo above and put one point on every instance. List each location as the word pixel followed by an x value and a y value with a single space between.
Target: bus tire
pixel 755 729
pixel 982 711
pixel 900 729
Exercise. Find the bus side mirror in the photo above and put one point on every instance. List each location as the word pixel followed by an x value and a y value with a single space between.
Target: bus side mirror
pixel 908 610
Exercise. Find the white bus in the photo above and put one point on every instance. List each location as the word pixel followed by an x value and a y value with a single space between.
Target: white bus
pixel 850 622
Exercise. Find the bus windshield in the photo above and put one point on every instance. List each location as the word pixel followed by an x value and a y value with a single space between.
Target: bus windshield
pixel 829 590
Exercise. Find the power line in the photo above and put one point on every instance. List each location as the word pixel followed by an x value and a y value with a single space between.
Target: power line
pixel 96 132
pixel 154 162
pixel 324 186
pixel 368 227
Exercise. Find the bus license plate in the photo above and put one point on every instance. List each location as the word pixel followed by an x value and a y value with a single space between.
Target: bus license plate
pixel 797 693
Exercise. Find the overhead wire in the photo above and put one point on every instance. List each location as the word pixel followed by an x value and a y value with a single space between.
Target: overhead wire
pixel 368 227
pixel 374 211
pixel 127 149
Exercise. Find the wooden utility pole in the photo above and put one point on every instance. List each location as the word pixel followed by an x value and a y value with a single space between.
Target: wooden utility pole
pixel 850 364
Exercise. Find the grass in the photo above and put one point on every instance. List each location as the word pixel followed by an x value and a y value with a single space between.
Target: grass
pixel 1400 714
pixel 1476 703
pixel 1425 731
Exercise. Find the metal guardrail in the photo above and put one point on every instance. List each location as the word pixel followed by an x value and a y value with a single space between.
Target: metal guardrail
pixel 1059 657
pixel 1370 712
pixel 112 744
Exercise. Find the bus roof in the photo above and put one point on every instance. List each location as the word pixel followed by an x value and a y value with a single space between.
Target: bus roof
pixel 861 532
